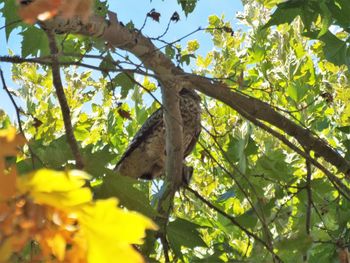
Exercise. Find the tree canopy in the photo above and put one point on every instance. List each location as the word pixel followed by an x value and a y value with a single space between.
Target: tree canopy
pixel 271 166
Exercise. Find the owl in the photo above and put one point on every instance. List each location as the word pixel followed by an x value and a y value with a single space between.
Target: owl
pixel 145 156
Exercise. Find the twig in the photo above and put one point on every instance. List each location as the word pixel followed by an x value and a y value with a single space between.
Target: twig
pixel 11 23
pixel 47 61
pixel 164 33
pixel 57 82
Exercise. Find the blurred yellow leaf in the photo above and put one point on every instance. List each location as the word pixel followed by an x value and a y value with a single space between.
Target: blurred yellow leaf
pixel 62 190
pixel 111 231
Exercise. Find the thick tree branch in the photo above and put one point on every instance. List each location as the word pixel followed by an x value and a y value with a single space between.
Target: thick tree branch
pixel 56 77
pixel 120 37
pixel 174 158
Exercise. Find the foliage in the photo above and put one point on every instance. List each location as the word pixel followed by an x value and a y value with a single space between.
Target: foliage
pixel 326 20
pixel 251 197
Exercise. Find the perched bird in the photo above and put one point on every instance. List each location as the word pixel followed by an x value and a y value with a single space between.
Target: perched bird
pixel 145 156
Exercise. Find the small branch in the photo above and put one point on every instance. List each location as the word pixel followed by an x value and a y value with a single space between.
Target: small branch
pixel 309 201
pixel 47 61
pixel 57 82
pixel 234 222
pixel 164 33
pixel 309 197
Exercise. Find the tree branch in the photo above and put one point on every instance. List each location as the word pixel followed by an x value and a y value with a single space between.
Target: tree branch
pixel 57 82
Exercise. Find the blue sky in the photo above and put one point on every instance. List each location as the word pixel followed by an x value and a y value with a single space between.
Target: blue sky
pixel 136 11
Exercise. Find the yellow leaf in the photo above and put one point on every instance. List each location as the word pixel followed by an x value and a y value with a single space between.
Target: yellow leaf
pixel 62 190
pixel 111 231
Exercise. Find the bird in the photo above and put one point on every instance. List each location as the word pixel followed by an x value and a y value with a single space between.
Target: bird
pixel 145 156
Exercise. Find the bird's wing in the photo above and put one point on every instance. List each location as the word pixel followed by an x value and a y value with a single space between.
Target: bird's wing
pixel 192 143
pixel 146 129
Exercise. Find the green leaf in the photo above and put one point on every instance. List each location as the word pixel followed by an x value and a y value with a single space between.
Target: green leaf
pixel 283 14
pixel 187 5
pixel 340 10
pixel 9 12
pixel 236 152
pixel 323 253
pixel 326 19
pixel 249 219
pixel 124 80
pixel 345 129
pixel 96 161
pixel 170 51
pixel 187 59
pixel 300 242
pixel 56 154
pixel 274 166
pixel 184 233
pixel 297 90
pixel 336 50
pixel 123 188
pixel 107 63
pixel 34 42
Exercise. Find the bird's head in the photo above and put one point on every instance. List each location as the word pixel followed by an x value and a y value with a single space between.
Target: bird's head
pixel 190 93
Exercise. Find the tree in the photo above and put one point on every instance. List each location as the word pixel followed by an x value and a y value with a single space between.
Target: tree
pixel 271 167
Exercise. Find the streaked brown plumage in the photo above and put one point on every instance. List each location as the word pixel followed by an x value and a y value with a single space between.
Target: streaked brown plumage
pixel 145 156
